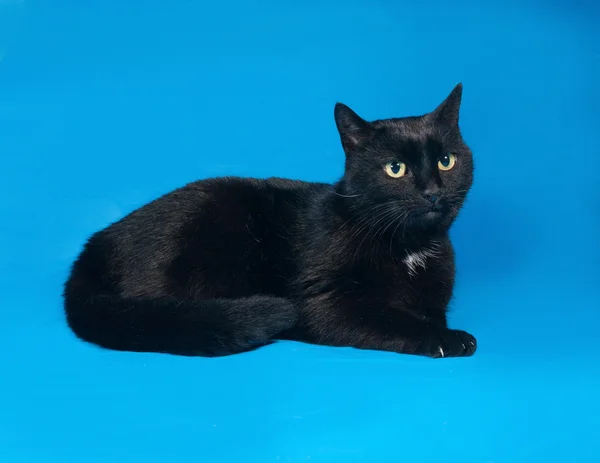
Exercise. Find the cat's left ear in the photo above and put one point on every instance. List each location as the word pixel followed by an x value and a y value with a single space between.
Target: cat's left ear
pixel 447 113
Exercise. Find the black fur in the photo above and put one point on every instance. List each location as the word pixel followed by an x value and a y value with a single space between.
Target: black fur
pixel 224 265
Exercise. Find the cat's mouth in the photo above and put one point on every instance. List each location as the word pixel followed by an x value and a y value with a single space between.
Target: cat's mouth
pixel 431 214
pixel 430 218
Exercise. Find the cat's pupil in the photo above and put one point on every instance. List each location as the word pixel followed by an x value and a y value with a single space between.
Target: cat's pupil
pixel 445 160
pixel 395 167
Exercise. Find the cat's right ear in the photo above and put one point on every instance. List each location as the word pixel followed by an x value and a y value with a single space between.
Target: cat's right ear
pixel 352 128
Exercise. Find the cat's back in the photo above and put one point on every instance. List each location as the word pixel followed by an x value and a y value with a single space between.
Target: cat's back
pixel 222 202
pixel 220 227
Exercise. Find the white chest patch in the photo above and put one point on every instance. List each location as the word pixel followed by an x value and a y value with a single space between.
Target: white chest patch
pixel 417 259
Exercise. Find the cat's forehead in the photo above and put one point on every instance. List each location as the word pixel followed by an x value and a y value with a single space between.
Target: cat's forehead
pixel 414 133
pixel 417 128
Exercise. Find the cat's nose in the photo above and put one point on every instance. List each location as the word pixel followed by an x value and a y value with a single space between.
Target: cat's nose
pixel 431 194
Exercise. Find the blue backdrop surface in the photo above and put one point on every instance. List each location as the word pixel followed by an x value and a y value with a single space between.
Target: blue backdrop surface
pixel 104 105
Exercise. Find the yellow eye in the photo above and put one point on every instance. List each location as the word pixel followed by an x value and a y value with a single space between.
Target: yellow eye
pixel 447 162
pixel 395 169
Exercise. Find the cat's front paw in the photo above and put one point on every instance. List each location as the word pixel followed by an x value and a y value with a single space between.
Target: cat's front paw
pixel 451 343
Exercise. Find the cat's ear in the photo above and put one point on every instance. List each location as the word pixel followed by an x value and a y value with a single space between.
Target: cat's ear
pixel 447 113
pixel 352 128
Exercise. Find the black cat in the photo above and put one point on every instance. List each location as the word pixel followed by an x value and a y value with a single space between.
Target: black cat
pixel 225 265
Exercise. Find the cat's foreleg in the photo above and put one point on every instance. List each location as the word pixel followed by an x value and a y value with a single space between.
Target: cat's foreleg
pixel 403 335
pixel 441 343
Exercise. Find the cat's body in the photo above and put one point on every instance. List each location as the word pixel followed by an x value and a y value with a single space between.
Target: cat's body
pixel 225 265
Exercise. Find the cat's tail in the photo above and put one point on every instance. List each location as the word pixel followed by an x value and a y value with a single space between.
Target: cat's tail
pixel 205 328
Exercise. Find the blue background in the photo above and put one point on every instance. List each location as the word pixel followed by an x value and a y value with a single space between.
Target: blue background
pixel 104 105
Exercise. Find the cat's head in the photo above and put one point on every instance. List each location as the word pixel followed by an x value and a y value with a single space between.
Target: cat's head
pixel 420 165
